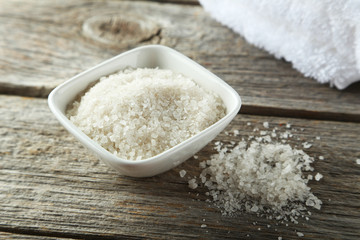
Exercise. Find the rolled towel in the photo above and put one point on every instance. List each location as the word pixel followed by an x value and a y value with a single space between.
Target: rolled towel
pixel 320 38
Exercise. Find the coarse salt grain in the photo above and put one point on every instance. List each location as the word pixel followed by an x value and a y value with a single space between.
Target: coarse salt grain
pixel 182 173
pixel 192 183
pixel 358 161
pixel 318 176
pixel 306 145
pixel 202 164
pixel 300 234
pixel 138 113
pixel 266 124
pixel 263 133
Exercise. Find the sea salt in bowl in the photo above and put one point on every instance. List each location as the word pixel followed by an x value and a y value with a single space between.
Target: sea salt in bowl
pixel 150 56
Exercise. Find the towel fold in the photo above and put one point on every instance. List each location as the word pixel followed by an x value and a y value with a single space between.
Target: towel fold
pixel 320 38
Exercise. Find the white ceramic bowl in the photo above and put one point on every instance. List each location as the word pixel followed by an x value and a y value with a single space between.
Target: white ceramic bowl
pixel 148 56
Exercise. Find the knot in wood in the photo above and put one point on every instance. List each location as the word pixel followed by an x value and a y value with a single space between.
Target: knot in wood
pixel 121 30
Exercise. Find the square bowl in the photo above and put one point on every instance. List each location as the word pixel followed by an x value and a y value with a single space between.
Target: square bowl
pixel 150 56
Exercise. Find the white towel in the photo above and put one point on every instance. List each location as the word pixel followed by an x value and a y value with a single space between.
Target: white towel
pixel 320 37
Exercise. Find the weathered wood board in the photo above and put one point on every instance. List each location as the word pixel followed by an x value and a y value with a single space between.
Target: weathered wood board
pixel 42 44
pixel 51 186
pixel 10 236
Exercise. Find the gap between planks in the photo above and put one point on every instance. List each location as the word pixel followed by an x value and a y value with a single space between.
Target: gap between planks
pixel 296 113
pixel 27 233
pixel 245 108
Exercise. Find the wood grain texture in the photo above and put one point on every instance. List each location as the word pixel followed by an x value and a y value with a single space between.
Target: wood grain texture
pixel 50 184
pixel 10 236
pixel 189 2
pixel 44 43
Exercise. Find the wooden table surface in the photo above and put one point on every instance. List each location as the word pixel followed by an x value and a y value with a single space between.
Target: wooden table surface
pixel 52 188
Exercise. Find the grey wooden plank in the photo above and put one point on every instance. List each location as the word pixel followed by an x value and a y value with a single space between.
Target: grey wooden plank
pixel 44 44
pixel 50 183
pixel 190 2
pixel 8 236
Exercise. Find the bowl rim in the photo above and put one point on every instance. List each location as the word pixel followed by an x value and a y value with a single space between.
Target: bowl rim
pixel 98 149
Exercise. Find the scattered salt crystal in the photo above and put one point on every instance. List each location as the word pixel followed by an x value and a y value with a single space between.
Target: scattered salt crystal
pixel 306 145
pixel 254 208
pixel 279 238
pixel 195 157
pixel 285 135
pixel 310 203
pixel 236 132
pixel 267 138
pixel 262 133
pixel 321 158
pixel 202 164
pixel 318 176
pixel 288 125
pixel 192 184
pixel 358 161
pixel 182 173
pixel 300 234
pixel 266 125
pixel 318 138
pixel 226 133
pixel 203 225
pixel 273 134
pixel 249 123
